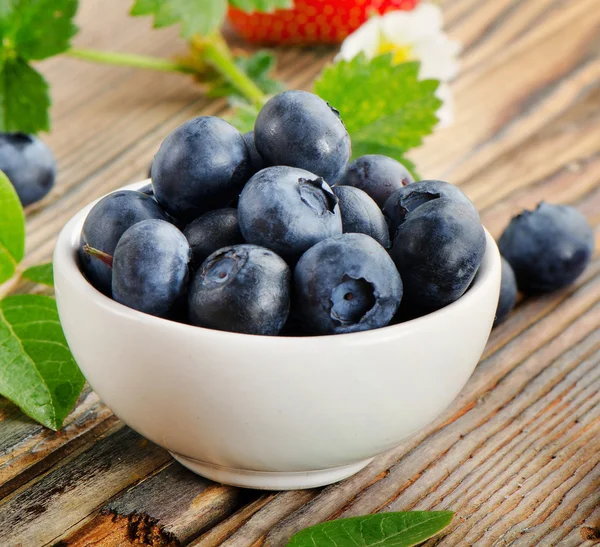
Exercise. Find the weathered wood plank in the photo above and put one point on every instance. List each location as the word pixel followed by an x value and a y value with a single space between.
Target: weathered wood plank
pixel 27 449
pixel 46 508
pixel 508 99
pixel 526 130
pixel 170 508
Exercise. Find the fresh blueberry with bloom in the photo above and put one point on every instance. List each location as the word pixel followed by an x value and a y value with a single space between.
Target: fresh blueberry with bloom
pixel 407 199
pixel 29 165
pixel 147 189
pixel 548 248
pixel 288 210
pixel 360 214
pixel 244 288
pixel 256 161
pixel 438 250
pixel 346 283
pixel 200 166
pixel 212 231
pixel 508 293
pixel 415 35
pixel 379 176
pixel 105 224
pixel 300 129
pixel 150 268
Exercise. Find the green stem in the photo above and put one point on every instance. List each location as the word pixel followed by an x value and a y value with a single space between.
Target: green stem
pixel 131 60
pixel 217 54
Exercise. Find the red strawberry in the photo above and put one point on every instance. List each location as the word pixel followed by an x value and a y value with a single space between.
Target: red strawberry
pixel 312 21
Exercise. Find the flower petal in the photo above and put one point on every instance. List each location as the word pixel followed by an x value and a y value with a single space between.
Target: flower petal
pixel 365 40
pixel 445 113
pixel 404 27
pixel 437 57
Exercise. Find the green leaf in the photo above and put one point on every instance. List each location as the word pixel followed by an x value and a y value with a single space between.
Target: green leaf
pixel 12 229
pixel 261 5
pixel 24 99
pixel 383 529
pixel 30 30
pixel 6 8
pixel 382 103
pixel 244 116
pixel 258 68
pixel 199 16
pixel 42 28
pixel 37 371
pixel 195 16
pixel 42 274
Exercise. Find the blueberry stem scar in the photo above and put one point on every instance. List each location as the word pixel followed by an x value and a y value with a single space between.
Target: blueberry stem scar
pixel 100 255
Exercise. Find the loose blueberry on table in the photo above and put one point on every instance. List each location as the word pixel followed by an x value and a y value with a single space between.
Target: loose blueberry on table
pixel 508 293
pixel 548 248
pixel 275 232
pixel 29 164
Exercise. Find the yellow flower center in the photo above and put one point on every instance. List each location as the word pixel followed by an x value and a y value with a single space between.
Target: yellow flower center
pixel 400 53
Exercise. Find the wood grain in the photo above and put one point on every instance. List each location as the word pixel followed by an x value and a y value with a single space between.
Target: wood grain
pixel 517 455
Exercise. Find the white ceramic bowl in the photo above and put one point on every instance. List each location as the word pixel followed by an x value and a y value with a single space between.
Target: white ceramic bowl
pixel 271 412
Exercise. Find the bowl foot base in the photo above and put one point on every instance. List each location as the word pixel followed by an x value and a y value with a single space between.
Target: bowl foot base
pixel 271 480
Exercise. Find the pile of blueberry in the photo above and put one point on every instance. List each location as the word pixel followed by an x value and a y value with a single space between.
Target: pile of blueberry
pixel 276 232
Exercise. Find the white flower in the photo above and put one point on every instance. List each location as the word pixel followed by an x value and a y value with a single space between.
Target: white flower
pixel 415 35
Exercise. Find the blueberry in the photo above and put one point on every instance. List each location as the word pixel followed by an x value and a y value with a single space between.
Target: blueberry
pixel 244 288
pixel 378 176
pixel 288 210
pixel 104 226
pixel 29 165
pixel 361 215
pixel 201 166
pixel 256 161
pixel 408 198
pixel 438 250
pixel 347 283
pixel 508 293
pixel 299 129
pixel 150 267
pixel 147 189
pixel 548 248
pixel 212 231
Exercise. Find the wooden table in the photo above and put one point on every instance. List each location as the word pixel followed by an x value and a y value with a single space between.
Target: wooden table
pixel 517 455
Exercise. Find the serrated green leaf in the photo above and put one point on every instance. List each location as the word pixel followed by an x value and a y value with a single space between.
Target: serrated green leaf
pixel 42 274
pixel 201 17
pixel 382 529
pixel 196 17
pixel 37 370
pixel 381 103
pixel 24 99
pixel 42 28
pixel 12 229
pixel 261 5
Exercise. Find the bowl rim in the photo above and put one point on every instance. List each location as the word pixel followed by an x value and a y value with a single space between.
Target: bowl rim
pixel 66 265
